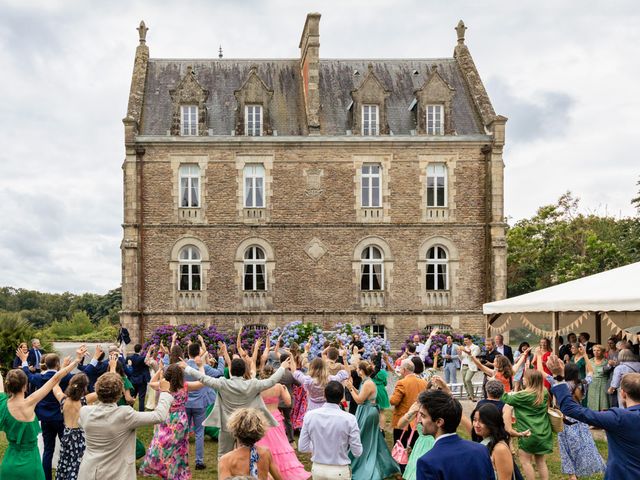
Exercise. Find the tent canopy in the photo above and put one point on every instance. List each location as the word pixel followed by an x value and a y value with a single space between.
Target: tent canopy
pixel 616 290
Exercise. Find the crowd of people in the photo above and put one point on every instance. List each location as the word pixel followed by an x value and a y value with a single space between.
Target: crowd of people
pixel 255 401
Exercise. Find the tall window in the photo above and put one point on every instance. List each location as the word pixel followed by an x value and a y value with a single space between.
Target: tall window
pixel 435 120
pixel 370 120
pixel 436 185
pixel 189 259
pixel 189 120
pixel 371 185
pixel 372 272
pixel 255 269
pixel 254 185
pixel 437 269
pixel 253 120
pixel 189 186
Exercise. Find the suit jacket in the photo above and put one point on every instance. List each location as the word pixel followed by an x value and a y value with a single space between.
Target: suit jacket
pixel 404 395
pixel 452 457
pixel 508 352
pixel 234 393
pixel 47 409
pixel 139 370
pixel 621 426
pixel 444 350
pixel 110 433
pixel 31 358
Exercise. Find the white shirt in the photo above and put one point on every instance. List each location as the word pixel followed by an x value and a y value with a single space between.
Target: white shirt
pixel 500 349
pixel 443 436
pixel 329 433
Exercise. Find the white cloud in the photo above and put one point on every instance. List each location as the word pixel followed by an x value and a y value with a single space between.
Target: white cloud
pixel 564 72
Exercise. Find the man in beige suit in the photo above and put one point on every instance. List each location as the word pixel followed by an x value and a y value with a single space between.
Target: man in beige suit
pixel 110 431
pixel 235 393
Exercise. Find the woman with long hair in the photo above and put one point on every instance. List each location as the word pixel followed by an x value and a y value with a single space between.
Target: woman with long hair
pixel 315 380
pixel 275 438
pixel 376 462
pixel 526 364
pixel 579 455
pixel 380 378
pixel 541 355
pixel 298 362
pixel 248 426
pixel 502 369
pixel 488 429
pixel 18 421
pixel 168 454
pixel 579 358
pixel 597 397
pixel 530 407
pixel 72 443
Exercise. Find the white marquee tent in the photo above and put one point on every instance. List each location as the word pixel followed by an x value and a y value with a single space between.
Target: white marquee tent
pixel 605 303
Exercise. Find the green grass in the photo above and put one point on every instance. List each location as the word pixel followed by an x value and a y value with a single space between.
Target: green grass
pixel 211 450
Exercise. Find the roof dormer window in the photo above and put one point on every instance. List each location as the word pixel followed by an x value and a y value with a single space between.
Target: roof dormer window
pixel 370 120
pixel 435 120
pixel 253 120
pixel 189 120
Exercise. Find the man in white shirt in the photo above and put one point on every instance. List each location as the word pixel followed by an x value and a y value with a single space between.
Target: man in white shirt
pixel 329 433
pixel 419 345
pixel 468 366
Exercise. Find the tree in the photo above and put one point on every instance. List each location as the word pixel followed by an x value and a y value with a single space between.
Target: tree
pixel 636 200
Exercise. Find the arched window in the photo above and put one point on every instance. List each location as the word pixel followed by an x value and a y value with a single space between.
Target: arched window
pixel 189 186
pixel 437 268
pixel 190 268
pixel 255 269
pixel 372 269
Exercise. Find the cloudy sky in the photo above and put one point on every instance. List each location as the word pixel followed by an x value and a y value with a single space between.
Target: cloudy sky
pixel 565 73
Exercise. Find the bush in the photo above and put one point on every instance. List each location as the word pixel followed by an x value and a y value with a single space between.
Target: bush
pixel 15 329
pixel 300 332
pixel 79 324
pixel 187 333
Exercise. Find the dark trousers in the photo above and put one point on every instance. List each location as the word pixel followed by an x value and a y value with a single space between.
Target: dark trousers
pixel 49 432
pixel 398 433
pixel 288 427
pixel 141 392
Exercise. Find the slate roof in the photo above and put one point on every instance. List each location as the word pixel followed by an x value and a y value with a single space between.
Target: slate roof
pixel 222 76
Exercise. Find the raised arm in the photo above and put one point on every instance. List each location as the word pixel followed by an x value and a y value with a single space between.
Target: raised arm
pixel 521 360
pixel 42 392
pixel 360 397
pixel 215 383
pixel 58 393
pixel 488 371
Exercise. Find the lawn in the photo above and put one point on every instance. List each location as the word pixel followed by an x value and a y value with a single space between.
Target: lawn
pixel 211 447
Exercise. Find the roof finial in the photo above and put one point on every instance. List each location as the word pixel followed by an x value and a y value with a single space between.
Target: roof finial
pixel 220 52
pixel 460 30
pixel 142 31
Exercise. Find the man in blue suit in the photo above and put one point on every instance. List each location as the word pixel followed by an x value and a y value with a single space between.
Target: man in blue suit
pixel 34 359
pixel 451 457
pixel 48 409
pixel 140 375
pixel 621 424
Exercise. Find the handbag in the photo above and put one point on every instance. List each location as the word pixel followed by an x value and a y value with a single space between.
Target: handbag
pixel 555 417
pixel 400 453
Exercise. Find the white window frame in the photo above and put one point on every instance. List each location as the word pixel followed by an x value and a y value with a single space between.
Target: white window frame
pixel 371 262
pixel 189 180
pixel 253 120
pixel 437 262
pixel 368 178
pixel 374 329
pixel 189 120
pixel 435 119
pixel 253 181
pixel 437 172
pixel 193 259
pixel 254 262
pixel 370 120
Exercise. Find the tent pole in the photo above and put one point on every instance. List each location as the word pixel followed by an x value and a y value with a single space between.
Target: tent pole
pixel 598 329
pixel 555 326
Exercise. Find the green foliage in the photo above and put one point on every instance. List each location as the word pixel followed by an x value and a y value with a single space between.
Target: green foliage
pixel 635 201
pixel 14 329
pixel 79 324
pixel 558 244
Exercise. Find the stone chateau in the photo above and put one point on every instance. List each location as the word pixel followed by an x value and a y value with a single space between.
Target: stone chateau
pixel 257 192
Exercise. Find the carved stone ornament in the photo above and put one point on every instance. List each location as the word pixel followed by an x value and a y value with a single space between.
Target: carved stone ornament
pixel 314 182
pixel 315 249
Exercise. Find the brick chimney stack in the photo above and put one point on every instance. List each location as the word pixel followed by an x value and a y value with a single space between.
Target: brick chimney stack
pixel 310 68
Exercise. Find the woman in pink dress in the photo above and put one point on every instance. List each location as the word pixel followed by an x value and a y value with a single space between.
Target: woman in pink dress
pixel 276 438
pixel 168 453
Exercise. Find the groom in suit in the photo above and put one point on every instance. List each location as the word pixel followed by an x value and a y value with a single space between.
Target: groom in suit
pixel 451 456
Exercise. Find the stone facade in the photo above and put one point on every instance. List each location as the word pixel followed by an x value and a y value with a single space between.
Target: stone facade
pixel 312 228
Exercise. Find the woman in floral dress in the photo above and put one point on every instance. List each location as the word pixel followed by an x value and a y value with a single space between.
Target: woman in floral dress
pixel 168 454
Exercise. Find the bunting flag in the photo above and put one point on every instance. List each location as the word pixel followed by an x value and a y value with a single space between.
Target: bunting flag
pixel 502 328
pixel 614 327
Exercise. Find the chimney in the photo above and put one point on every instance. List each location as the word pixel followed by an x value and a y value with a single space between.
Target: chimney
pixel 136 92
pixel 310 68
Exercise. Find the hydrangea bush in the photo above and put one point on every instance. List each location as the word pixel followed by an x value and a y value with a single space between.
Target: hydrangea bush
pixel 300 332
pixel 186 333
pixel 372 343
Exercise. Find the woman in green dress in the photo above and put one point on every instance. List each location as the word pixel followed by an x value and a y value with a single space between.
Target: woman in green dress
pixel 376 462
pixel 380 378
pixel 18 421
pixel 597 398
pixel 530 408
pixel 422 445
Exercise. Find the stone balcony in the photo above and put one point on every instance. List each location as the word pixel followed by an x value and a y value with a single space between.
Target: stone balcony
pixel 372 298
pixel 254 299
pixel 190 300
pixel 193 215
pixel 254 214
pixel 437 298
pixel 436 214
pixel 372 214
